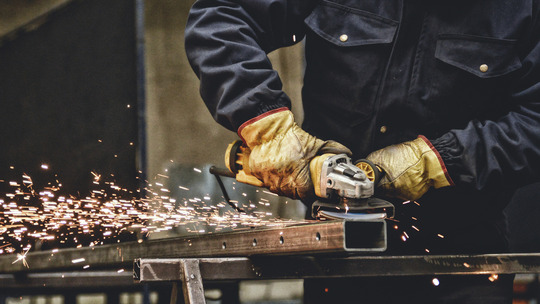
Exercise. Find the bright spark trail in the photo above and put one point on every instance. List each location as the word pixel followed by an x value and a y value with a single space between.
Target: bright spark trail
pixel 46 219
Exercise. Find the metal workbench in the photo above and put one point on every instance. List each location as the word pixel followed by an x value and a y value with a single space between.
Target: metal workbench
pixel 311 250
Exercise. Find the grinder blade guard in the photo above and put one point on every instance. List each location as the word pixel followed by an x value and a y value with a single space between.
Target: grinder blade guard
pixel 349 191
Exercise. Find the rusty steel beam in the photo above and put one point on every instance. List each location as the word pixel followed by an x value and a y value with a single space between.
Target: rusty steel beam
pixel 82 279
pixel 311 238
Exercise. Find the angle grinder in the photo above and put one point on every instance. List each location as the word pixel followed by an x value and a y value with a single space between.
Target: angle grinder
pixel 346 188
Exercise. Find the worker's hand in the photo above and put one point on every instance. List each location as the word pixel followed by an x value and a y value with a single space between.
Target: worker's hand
pixel 281 153
pixel 410 168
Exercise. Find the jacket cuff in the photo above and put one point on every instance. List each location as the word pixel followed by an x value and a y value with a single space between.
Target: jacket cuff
pixel 441 178
pixel 247 113
pixel 279 104
pixel 450 153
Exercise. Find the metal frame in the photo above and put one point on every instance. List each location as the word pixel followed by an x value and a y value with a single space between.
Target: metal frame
pixel 312 238
pixel 54 280
pixel 303 251
pixel 141 89
pixel 192 272
pixel 295 267
pixel 73 283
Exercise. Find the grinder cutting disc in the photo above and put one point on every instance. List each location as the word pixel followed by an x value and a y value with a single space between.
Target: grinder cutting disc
pixel 360 209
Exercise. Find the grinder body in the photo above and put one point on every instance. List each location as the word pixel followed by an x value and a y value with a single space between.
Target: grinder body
pixel 346 189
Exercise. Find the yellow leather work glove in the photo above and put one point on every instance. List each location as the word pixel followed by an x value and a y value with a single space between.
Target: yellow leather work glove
pixel 281 152
pixel 410 168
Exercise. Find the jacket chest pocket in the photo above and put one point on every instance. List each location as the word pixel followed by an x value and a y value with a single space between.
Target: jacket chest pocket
pixel 480 56
pixel 347 27
pixel 346 51
pixel 472 71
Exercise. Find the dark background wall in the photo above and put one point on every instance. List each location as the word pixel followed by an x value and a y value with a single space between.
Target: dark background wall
pixel 68 96
pixel 66 82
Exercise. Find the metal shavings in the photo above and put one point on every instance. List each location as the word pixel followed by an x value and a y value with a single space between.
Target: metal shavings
pixel 110 214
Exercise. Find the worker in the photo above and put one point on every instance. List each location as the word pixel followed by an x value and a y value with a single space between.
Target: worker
pixel 444 96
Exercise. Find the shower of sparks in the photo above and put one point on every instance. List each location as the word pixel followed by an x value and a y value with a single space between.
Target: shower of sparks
pixel 48 219
pixel 78 260
pixel 22 257
pixel 493 278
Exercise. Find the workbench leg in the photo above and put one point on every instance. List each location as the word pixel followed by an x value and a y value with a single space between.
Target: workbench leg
pixel 192 285
pixel 536 288
pixel 174 293
pixel 70 298
pixel 231 293
pixel 146 294
pixel 113 297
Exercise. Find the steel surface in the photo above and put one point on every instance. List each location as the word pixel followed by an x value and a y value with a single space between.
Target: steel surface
pixel 310 238
pixel 192 284
pixel 293 267
pixel 84 279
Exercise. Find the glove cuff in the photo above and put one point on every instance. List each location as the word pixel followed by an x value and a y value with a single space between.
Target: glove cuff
pixel 434 164
pixel 266 126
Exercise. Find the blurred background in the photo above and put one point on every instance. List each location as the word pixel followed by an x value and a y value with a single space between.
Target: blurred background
pixel 104 87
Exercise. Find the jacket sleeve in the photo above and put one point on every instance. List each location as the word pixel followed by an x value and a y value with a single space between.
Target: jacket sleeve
pixel 226 43
pixel 503 153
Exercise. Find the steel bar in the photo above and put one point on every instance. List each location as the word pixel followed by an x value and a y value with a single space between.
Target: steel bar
pixel 141 91
pixel 86 279
pixel 311 238
pixel 174 293
pixel 192 284
pixel 293 267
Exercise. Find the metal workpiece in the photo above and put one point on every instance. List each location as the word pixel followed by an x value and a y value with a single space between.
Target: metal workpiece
pixel 310 238
pixel 192 284
pixel 192 272
pixel 84 279
pixel 294 267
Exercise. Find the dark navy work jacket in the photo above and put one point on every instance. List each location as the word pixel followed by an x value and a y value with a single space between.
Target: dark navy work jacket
pixel 466 74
